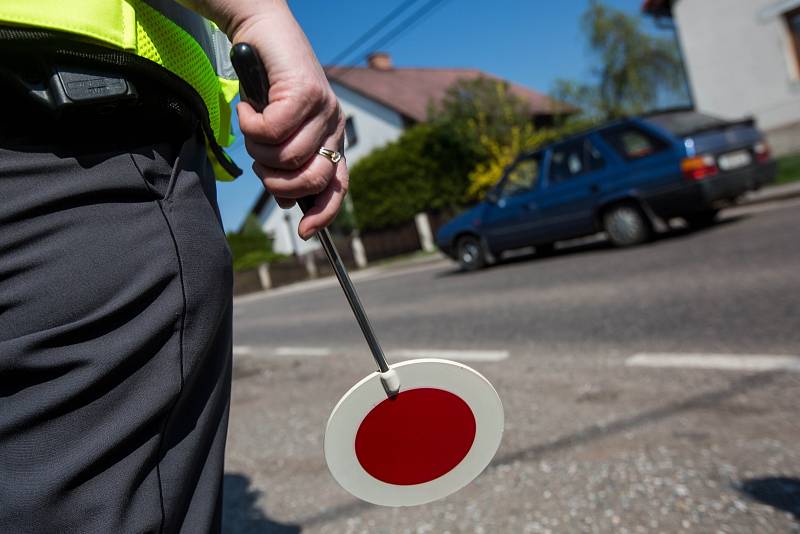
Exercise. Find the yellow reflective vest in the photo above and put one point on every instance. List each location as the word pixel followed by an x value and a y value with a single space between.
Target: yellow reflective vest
pixel 156 34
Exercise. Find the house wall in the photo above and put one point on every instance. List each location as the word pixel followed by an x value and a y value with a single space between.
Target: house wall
pixel 281 225
pixel 375 124
pixel 741 62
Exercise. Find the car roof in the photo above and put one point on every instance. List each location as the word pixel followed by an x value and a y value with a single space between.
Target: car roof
pixel 577 136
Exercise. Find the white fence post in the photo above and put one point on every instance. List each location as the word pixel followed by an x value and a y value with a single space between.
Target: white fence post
pixel 311 265
pixel 424 231
pixel 263 276
pixel 359 252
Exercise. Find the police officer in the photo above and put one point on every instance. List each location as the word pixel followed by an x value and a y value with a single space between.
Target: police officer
pixel 115 277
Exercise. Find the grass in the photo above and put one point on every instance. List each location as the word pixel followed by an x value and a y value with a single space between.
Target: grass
pixel 788 169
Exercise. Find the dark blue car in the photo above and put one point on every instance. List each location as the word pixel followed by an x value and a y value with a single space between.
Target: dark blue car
pixel 619 178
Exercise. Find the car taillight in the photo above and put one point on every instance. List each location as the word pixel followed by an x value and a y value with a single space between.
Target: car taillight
pixel 699 167
pixel 762 152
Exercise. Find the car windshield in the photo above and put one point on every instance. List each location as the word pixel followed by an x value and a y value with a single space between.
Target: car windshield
pixel 522 176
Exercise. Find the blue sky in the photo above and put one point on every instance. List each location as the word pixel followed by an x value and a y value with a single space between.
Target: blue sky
pixel 532 42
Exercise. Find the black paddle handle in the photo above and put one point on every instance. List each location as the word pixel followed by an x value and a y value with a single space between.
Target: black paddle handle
pixel 254 88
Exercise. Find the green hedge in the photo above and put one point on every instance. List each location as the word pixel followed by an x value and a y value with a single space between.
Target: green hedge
pixel 788 169
pixel 426 169
pixel 250 246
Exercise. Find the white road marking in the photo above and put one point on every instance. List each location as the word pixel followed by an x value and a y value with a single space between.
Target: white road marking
pixel 459 355
pixel 727 362
pixel 302 351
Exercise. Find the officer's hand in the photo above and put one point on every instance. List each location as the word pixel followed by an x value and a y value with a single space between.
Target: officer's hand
pixel 303 115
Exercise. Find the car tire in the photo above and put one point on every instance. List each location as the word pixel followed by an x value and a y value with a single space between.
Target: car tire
pixel 702 219
pixel 626 225
pixel 470 253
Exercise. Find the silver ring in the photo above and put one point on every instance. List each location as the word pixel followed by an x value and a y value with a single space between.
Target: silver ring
pixel 332 155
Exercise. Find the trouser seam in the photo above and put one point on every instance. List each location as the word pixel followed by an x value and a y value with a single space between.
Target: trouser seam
pixel 171 412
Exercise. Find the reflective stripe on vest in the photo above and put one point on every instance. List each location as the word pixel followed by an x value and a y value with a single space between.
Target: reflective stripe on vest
pixel 148 30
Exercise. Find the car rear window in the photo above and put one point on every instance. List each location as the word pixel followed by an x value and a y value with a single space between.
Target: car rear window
pixel 683 123
pixel 634 143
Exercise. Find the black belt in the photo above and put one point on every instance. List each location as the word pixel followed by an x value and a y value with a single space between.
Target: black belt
pixel 50 99
pixel 163 102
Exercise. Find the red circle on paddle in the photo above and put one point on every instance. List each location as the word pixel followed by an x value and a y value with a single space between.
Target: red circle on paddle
pixel 415 437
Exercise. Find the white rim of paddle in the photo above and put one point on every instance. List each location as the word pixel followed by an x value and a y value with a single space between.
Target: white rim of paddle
pixel 345 420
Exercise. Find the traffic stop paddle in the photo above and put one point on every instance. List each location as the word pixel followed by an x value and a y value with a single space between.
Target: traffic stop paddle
pixel 409 433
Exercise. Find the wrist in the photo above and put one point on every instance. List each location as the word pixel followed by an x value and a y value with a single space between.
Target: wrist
pixel 250 13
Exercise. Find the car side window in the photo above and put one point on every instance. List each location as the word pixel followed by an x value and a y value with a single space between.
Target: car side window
pixel 633 143
pixel 567 161
pixel 522 176
pixel 592 157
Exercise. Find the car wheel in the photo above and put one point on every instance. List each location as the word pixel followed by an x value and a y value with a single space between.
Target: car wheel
pixel 702 219
pixel 470 253
pixel 626 225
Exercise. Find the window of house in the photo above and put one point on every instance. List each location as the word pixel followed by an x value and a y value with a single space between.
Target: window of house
pixel 522 176
pixel 350 135
pixel 793 22
pixel 633 143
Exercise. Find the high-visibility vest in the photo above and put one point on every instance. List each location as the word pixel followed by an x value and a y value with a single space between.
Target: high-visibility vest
pixel 157 34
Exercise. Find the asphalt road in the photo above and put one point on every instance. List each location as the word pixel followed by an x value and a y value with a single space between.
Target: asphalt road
pixel 591 444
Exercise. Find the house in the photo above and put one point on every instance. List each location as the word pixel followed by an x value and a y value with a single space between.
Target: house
pixel 742 58
pixel 379 102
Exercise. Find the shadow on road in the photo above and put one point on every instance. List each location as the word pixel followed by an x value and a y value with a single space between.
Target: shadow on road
pixel 241 513
pixel 593 244
pixel 779 492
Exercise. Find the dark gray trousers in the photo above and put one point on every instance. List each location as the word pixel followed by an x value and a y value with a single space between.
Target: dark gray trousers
pixel 115 339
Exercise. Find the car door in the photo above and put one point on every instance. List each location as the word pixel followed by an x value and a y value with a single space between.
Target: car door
pixel 649 164
pixel 510 215
pixel 566 205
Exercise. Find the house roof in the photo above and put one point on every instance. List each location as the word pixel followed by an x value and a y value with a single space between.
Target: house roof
pixel 657 7
pixel 408 91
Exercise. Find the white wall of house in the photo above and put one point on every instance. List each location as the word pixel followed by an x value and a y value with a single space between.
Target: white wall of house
pixel 375 126
pixel 281 225
pixel 741 62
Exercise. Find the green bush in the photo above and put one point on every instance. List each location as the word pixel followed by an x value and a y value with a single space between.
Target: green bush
pixel 427 168
pixel 250 246
pixel 788 169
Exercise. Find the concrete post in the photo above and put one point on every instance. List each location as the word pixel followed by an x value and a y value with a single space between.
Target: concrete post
pixel 359 252
pixel 424 231
pixel 311 265
pixel 263 276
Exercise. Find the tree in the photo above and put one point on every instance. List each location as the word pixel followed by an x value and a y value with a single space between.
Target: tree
pixel 250 246
pixel 482 108
pixel 425 169
pixel 634 69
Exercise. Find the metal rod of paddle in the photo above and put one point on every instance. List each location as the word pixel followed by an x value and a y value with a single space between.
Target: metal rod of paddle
pixel 254 89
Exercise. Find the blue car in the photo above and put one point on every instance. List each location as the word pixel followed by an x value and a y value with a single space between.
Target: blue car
pixel 619 178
